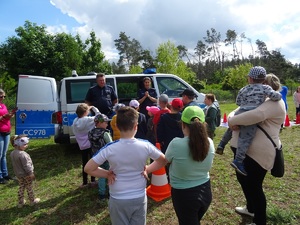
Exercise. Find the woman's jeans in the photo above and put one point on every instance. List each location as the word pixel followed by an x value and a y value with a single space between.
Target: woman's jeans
pixel 192 203
pixel 253 189
pixel 4 141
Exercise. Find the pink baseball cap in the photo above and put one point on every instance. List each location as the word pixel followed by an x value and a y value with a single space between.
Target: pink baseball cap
pixel 153 109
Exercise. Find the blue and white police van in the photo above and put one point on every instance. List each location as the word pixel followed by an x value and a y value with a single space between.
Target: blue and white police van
pixel 47 108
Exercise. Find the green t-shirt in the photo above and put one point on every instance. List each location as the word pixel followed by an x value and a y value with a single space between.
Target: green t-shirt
pixel 184 171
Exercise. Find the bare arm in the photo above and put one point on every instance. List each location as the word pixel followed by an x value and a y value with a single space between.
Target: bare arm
pixel 93 169
pixel 157 164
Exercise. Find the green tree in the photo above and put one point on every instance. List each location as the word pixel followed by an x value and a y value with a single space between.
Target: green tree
pixel 147 59
pixel 236 77
pixel 231 39
pixel 8 84
pixel 130 51
pixel 65 57
pixel 28 52
pixel 93 57
pixel 168 61
pixel 213 39
pixel 135 69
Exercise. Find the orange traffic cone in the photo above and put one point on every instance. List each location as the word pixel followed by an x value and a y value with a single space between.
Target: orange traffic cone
pixel 159 189
pixel 298 118
pixel 224 118
pixel 287 121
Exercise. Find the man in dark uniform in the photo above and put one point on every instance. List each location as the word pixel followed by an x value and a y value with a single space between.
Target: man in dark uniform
pixel 188 96
pixel 102 96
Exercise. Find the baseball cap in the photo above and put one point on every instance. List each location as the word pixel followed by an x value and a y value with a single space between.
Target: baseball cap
pixel 192 112
pixel 134 103
pixel 163 98
pixel 152 109
pixel 118 106
pixel 21 141
pixel 177 103
pixel 257 72
pixel 188 92
pixel 101 118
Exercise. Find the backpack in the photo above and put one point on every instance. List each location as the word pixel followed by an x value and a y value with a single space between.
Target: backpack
pixel 96 137
pixel 218 116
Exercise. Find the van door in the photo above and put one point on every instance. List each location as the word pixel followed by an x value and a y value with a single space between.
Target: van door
pixel 37 100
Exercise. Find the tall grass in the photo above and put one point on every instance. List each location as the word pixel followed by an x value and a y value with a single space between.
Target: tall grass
pixel 58 174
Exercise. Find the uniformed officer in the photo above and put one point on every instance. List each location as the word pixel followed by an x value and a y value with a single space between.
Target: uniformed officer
pixel 147 96
pixel 102 96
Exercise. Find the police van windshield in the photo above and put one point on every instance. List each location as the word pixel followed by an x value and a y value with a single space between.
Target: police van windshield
pixel 170 86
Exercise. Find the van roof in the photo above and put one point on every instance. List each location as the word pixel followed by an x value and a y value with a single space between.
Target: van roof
pixel 119 75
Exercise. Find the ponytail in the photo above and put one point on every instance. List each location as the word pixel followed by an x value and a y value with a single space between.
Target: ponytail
pixel 198 139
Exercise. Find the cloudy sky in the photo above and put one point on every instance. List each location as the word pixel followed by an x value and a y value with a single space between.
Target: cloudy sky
pixel 152 22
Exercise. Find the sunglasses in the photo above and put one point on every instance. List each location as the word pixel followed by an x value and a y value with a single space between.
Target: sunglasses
pixel 3 96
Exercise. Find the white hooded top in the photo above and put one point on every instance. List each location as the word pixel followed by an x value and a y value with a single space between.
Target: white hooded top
pixel 81 127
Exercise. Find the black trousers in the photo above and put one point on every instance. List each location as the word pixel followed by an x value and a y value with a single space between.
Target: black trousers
pixel 86 155
pixel 252 186
pixel 192 203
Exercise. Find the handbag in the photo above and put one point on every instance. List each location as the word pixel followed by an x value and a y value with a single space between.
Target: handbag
pixel 278 168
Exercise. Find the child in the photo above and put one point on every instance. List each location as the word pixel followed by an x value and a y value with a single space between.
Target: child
pixel 99 137
pixel 142 121
pixel 169 125
pixel 224 141
pixel 163 105
pixel 211 111
pixel 82 124
pixel 23 169
pixel 152 110
pixel 127 159
pixel 250 97
pixel 113 123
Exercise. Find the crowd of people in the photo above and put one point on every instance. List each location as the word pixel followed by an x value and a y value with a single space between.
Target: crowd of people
pixel 116 142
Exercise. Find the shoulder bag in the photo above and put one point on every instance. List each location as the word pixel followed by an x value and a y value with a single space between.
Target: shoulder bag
pixel 278 168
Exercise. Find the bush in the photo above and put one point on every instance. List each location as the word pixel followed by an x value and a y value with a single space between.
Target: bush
pixel 222 95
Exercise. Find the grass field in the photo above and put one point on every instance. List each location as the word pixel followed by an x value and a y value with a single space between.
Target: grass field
pixel 58 174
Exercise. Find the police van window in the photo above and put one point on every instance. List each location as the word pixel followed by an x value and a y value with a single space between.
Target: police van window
pixel 127 88
pixel 77 89
pixel 110 82
pixel 170 86
pixel 35 95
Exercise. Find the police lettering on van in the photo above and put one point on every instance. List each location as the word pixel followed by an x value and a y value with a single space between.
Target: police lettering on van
pixel 47 108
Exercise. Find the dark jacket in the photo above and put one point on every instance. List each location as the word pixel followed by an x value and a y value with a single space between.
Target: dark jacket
pixel 210 119
pixel 142 127
pixel 168 128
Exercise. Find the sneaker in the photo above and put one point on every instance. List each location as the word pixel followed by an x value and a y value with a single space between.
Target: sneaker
pixel 8 178
pixel 244 211
pixel 220 150
pixel 83 185
pixel 239 167
pixel 93 184
pixel 20 205
pixel 102 199
pixel 3 181
pixel 35 201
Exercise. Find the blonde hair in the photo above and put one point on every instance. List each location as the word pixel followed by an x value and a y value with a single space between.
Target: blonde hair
pixel 273 81
pixel 81 109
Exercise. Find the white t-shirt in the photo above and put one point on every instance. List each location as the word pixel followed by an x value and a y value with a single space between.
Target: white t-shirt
pixel 127 159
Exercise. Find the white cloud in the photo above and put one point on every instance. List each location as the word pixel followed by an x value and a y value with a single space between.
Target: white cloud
pixel 185 22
